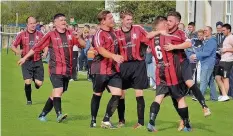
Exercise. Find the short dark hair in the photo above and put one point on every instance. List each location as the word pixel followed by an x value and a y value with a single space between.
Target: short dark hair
pixel 124 13
pixel 28 18
pixel 102 15
pixel 227 26
pixel 159 19
pixel 88 26
pixel 175 14
pixel 58 15
pixel 219 23
pixel 191 23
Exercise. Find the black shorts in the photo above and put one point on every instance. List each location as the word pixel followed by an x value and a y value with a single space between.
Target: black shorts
pixel 134 75
pixel 59 81
pixel 186 71
pixel 33 70
pixel 224 69
pixel 176 91
pixel 101 82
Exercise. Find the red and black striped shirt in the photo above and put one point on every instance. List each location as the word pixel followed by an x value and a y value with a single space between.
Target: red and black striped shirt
pixel 183 38
pixel 107 40
pixel 26 41
pixel 131 43
pixel 166 69
pixel 61 51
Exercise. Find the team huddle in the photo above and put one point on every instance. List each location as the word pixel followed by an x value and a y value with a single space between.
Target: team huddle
pixel 119 64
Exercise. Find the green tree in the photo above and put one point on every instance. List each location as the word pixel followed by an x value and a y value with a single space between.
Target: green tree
pixel 82 11
pixel 145 11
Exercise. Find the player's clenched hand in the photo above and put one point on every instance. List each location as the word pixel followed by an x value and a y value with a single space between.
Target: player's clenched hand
pixel 118 58
pixel 169 47
pixel 21 61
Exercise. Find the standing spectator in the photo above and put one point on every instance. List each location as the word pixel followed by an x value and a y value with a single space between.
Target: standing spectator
pixel 42 29
pixel 220 38
pixel 90 57
pixel 196 44
pixel 206 56
pixel 83 54
pixel 226 63
pixel 181 26
pixel 150 64
pixel 74 76
pixel 191 30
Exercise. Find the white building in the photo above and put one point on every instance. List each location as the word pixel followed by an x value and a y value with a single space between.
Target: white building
pixel 208 12
pixel 110 5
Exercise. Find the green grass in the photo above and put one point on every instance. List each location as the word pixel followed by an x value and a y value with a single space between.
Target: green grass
pixel 18 119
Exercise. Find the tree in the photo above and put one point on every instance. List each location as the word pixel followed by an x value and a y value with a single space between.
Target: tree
pixel 82 11
pixel 145 11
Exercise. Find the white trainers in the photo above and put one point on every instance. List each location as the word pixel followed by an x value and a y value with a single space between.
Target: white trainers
pixel 224 98
pixel 220 96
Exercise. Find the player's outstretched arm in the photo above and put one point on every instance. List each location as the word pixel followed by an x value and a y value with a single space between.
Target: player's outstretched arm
pixel 154 33
pixel 107 54
pixel 22 60
pixel 170 47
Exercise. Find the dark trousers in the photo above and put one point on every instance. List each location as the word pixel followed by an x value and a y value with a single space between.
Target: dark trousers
pixel 74 67
pixel 89 69
pixel 194 71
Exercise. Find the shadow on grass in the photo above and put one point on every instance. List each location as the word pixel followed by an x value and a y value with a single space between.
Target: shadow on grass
pixel 77 117
pixel 172 125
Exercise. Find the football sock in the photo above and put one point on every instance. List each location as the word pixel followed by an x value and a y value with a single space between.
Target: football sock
pixel 47 108
pixel 112 105
pixel 185 116
pixel 175 104
pixel 95 103
pixel 140 109
pixel 57 105
pixel 121 110
pixel 154 110
pixel 197 93
pixel 28 91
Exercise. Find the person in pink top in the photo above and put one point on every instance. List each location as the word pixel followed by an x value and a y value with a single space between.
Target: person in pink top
pixel 226 63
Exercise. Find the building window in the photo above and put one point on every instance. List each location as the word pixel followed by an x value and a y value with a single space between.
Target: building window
pixel 228 11
pixel 190 10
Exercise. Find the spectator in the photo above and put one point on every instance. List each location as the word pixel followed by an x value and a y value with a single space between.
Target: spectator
pixel 219 35
pixel 150 64
pixel 181 26
pixel 90 57
pixel 226 63
pixel 83 54
pixel 206 56
pixel 42 29
pixel 74 76
pixel 220 38
pixel 191 30
pixel 196 45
